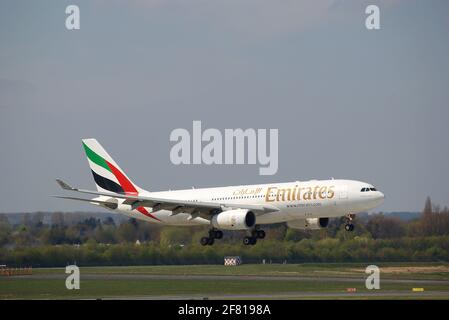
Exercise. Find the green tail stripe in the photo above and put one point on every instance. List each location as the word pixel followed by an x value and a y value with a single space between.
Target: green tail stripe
pixel 95 158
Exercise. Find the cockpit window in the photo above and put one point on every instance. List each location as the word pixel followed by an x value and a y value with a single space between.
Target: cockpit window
pixel 368 189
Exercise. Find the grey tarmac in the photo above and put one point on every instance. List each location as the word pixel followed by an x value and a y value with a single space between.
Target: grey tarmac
pixel 92 276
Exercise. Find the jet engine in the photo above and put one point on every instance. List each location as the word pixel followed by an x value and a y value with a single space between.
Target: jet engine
pixel 309 223
pixel 239 219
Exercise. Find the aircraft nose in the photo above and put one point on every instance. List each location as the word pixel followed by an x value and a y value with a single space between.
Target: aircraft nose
pixel 380 196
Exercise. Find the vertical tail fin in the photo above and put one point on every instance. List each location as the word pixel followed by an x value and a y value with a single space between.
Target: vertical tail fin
pixel 107 174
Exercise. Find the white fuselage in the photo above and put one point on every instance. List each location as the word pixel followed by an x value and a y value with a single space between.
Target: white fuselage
pixel 294 201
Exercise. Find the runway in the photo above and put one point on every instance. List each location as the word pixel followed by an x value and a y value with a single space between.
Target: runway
pixel 295 295
pixel 92 276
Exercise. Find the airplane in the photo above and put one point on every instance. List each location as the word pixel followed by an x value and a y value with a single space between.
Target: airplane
pixel 301 204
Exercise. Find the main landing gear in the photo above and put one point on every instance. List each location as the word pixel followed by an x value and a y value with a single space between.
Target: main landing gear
pixel 218 234
pixel 252 240
pixel 213 234
pixel 349 226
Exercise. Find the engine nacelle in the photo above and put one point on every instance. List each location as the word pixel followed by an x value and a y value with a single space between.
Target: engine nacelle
pixel 239 219
pixel 309 223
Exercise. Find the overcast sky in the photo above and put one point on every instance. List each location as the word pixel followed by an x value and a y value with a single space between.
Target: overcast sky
pixel 348 102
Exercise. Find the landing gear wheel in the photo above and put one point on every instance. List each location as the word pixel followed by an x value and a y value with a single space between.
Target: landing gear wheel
pixel 211 241
pixel 260 234
pixel 215 234
pixel 247 241
pixel 204 241
pixel 349 227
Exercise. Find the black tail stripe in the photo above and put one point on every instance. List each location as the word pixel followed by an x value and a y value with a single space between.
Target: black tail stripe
pixel 107 184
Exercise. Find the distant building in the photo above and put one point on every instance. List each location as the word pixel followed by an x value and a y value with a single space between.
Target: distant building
pixel 232 261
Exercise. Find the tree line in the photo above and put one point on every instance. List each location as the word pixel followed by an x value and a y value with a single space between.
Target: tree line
pixel 93 241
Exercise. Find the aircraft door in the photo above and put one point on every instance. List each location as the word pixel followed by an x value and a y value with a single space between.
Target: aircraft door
pixel 343 194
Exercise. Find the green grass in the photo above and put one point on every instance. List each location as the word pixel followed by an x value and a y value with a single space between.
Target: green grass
pixel 294 270
pixel 54 288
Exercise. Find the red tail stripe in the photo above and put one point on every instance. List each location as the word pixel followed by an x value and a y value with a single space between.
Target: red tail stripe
pixel 128 187
pixel 145 212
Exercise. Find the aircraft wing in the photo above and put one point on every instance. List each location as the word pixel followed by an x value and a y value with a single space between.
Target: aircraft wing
pixel 198 208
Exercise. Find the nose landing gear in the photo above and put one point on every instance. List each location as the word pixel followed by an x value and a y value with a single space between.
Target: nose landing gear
pixel 349 226
pixel 218 234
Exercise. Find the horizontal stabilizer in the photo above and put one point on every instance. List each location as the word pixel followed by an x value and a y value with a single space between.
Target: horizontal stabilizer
pixel 108 204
